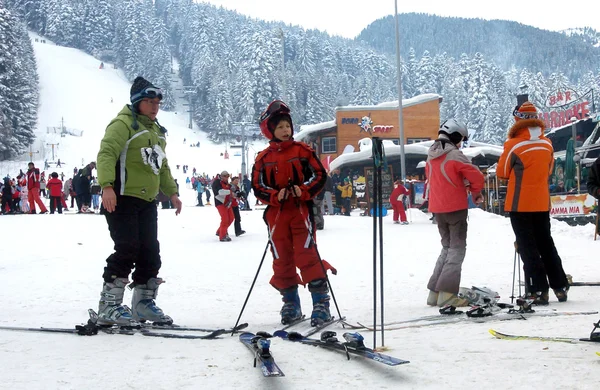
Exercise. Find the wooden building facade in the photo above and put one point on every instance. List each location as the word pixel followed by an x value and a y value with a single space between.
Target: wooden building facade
pixel 421 118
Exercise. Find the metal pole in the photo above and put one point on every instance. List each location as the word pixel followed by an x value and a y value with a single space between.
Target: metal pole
pixel 574 135
pixel 243 152
pixel 282 64
pixel 400 117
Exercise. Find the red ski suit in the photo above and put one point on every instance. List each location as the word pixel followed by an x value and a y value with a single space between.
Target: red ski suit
pixel 277 167
pixel 396 202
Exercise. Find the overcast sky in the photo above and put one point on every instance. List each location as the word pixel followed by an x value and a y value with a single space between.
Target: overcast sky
pixel 349 17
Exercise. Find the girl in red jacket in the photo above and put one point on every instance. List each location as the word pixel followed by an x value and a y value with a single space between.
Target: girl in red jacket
pixel 397 204
pixel 286 176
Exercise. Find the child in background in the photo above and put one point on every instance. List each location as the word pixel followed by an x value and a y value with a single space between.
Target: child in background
pixel 398 204
pixel 55 186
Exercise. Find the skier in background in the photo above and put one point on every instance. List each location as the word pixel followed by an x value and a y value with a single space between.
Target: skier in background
pixel 449 173
pixel 397 203
pixel 286 176
pixel 223 202
pixel 134 142
pixel 527 162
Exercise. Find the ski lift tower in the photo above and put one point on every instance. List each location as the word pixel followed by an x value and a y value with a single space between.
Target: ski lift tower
pixel 190 92
pixel 240 130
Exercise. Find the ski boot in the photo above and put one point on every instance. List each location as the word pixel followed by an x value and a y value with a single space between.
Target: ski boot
pixel 539 297
pixel 561 293
pixel 143 306
pixel 320 297
pixel 447 298
pixel 291 310
pixel 432 298
pixel 479 296
pixel 111 310
pixel 354 340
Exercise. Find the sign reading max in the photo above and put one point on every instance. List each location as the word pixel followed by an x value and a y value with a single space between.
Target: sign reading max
pixel 366 125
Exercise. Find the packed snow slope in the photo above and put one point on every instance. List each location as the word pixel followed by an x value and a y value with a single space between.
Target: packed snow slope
pixel 77 94
pixel 51 267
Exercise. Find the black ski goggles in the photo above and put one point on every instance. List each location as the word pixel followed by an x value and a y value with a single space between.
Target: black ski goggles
pixel 525 115
pixel 276 107
pixel 147 93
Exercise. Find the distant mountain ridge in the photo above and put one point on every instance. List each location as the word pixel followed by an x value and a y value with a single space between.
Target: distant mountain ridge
pixel 504 43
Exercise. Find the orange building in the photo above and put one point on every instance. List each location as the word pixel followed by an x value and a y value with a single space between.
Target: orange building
pixel 421 117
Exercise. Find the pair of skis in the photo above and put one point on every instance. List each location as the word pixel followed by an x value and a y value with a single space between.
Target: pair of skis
pixel 461 317
pixel 145 329
pixel 260 344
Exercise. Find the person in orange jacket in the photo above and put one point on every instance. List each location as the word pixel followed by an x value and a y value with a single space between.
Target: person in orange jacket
pixel 527 161
pixel 286 176
pixel 397 204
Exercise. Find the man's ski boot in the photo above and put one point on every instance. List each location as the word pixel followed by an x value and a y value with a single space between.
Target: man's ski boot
pixel 320 297
pixel 291 310
pixel 354 340
pixel 143 306
pixel 539 298
pixel 111 310
pixel 561 293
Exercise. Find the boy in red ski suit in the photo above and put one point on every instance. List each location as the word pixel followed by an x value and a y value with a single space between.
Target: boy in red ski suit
pixel 397 204
pixel 55 189
pixel 286 176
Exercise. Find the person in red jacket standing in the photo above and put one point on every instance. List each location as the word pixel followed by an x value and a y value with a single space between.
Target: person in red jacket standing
pixel 223 201
pixel 450 175
pixel 55 189
pixel 286 176
pixel 33 189
pixel 397 204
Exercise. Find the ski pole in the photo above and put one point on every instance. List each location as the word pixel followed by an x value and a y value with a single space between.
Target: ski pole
pixel 269 242
pixel 514 277
pixel 380 201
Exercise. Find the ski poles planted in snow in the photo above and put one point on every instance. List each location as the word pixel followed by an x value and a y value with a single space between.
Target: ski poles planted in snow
pixel 378 162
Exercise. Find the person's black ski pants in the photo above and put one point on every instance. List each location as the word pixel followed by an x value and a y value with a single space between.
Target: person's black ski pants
pixel 133 228
pixel 541 262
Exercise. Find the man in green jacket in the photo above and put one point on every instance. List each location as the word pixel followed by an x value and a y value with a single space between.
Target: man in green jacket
pixel 132 167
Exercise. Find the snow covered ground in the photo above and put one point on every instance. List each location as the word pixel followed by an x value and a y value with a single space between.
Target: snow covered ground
pixel 51 267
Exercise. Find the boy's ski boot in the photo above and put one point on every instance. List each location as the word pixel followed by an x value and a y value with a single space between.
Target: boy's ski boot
pixel 143 306
pixel 479 296
pixel 291 310
pixel 111 310
pixel 320 297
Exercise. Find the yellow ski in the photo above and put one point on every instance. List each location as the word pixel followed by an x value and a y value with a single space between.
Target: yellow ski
pixel 505 336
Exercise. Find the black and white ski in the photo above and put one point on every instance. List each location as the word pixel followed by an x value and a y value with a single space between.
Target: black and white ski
pixel 443 320
pixel 353 345
pixel 260 345
pixel 154 326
